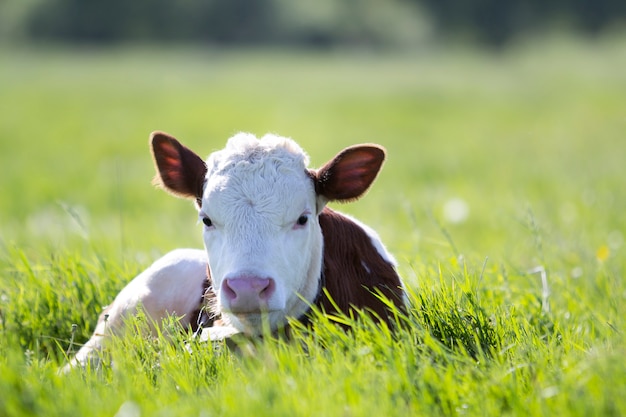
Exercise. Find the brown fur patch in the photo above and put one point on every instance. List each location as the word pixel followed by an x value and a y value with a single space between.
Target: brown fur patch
pixel 204 315
pixel 347 247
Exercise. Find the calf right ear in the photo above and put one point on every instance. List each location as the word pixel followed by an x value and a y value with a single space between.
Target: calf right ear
pixel 179 170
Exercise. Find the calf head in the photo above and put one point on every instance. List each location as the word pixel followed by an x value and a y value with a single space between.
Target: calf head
pixel 259 204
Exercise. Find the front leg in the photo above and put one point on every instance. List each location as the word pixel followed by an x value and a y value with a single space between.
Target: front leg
pixel 172 286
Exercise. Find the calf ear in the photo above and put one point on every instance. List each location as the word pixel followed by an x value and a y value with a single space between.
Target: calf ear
pixel 348 175
pixel 179 170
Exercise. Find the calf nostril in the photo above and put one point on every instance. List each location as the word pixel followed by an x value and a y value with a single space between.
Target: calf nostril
pixel 268 290
pixel 229 292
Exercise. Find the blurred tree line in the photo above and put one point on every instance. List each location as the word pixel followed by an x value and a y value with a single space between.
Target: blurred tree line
pixel 319 23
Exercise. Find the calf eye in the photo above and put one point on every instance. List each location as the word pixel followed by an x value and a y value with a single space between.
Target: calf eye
pixel 302 220
pixel 207 222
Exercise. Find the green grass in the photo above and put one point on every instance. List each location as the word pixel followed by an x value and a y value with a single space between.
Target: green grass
pixel 531 141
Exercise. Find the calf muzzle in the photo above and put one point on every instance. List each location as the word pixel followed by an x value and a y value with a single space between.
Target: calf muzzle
pixel 247 294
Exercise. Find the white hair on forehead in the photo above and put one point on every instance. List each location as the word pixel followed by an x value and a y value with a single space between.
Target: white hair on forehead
pixel 247 148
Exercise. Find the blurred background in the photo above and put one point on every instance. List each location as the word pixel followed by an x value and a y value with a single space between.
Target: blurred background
pixel 504 123
pixel 499 117
pixel 319 24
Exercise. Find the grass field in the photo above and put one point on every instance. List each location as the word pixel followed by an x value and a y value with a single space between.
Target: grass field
pixel 503 199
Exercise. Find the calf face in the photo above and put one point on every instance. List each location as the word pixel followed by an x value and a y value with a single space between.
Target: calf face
pixel 259 204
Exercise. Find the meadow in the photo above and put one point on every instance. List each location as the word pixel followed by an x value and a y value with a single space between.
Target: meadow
pixel 502 198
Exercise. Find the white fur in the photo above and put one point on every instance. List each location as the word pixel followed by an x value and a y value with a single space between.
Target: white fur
pixel 254 194
pixel 171 286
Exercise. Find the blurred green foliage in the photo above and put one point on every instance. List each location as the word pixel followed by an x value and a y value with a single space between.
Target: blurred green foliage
pixel 320 24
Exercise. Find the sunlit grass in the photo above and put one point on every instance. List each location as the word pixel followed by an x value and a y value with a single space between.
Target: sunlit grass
pixel 502 199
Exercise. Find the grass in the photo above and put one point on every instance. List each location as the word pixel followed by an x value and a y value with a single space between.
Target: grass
pixel 502 199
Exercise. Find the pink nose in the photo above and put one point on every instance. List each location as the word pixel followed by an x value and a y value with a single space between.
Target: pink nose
pixel 247 294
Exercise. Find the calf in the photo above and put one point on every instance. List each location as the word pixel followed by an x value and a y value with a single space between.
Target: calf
pixel 272 245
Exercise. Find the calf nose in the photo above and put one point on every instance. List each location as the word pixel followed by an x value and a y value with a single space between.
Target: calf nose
pixel 247 294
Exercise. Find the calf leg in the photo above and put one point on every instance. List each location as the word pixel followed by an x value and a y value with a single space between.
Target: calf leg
pixel 173 285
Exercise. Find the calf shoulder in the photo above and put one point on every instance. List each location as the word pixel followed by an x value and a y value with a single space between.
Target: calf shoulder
pixel 357 268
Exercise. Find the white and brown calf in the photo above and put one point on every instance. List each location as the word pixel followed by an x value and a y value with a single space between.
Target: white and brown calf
pixel 271 243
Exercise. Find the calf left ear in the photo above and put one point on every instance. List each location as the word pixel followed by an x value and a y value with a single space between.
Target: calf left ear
pixel 179 170
pixel 349 174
